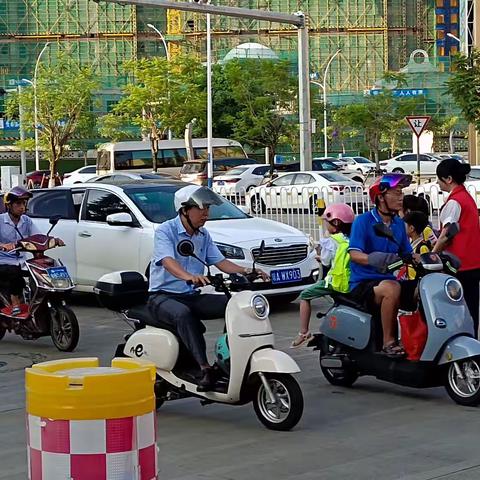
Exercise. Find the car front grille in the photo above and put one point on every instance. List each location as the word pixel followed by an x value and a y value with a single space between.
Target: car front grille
pixel 285 255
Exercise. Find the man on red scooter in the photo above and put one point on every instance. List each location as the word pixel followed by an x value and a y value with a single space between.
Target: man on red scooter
pixel 371 254
pixel 14 225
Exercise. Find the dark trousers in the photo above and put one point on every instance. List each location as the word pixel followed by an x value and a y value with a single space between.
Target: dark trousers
pixel 470 280
pixel 185 312
pixel 11 280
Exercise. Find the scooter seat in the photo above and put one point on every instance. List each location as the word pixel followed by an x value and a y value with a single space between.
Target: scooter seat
pixel 144 316
pixel 345 299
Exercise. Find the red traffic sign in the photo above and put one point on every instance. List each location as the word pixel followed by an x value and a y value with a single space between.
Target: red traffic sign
pixel 418 123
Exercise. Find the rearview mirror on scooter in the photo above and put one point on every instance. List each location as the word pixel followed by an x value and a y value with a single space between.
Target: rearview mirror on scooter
pixel 54 219
pixel 259 254
pixel 186 249
pixel 383 231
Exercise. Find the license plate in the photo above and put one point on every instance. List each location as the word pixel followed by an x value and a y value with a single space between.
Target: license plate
pixel 286 275
pixel 58 273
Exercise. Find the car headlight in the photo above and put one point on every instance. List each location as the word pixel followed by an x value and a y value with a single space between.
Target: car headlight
pixel 229 251
pixel 453 289
pixel 260 306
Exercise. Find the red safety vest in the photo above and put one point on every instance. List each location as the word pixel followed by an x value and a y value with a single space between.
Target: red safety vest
pixel 466 243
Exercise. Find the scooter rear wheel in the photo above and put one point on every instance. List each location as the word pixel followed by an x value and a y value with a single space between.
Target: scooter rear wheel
pixel 340 377
pixel 464 391
pixel 287 410
pixel 64 328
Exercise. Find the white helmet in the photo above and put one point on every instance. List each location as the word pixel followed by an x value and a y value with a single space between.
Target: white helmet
pixel 195 196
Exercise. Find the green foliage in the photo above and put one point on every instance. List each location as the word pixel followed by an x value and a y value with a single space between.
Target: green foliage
pixel 166 96
pixel 257 99
pixel 464 85
pixel 64 94
pixel 380 118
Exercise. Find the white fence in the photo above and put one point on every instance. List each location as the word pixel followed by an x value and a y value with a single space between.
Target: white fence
pixel 301 207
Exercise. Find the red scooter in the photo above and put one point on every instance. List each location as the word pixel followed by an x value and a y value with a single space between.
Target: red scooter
pixel 45 311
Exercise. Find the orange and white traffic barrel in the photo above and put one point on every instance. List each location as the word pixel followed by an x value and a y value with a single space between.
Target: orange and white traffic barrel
pixel 86 422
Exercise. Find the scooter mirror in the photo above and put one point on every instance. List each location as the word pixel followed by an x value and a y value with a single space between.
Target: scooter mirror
pixel 54 219
pixel 383 231
pixel 185 248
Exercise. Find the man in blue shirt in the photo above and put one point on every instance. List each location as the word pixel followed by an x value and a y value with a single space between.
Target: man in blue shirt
pixel 371 254
pixel 172 299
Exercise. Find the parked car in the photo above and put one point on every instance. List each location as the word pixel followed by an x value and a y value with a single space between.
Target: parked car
pixel 359 164
pixel 436 198
pixel 195 171
pixel 302 190
pixel 323 164
pixel 456 156
pixel 80 175
pixel 111 227
pixel 407 163
pixel 125 176
pixel 339 162
pixel 239 180
pixel 40 179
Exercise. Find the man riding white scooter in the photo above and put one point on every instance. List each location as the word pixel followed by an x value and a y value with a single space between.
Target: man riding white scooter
pixel 173 296
pixel 371 254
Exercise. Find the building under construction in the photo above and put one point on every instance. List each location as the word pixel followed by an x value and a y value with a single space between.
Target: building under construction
pixel 373 35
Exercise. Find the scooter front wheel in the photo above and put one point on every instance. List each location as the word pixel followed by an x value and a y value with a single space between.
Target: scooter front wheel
pixel 463 381
pixel 287 409
pixel 64 328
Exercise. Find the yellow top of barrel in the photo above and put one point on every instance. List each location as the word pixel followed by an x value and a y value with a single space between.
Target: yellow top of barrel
pixel 79 389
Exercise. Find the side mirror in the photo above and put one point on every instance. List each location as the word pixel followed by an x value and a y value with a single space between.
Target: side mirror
pixel 185 248
pixel 122 219
pixel 383 231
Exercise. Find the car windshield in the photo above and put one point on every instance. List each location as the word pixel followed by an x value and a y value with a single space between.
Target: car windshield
pixel 362 160
pixel 192 167
pixel 334 177
pixel 236 171
pixel 474 174
pixel 157 204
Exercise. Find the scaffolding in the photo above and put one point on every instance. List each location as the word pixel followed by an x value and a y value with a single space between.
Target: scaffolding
pixel 374 35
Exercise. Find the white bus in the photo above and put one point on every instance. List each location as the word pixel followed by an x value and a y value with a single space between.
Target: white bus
pixel 137 156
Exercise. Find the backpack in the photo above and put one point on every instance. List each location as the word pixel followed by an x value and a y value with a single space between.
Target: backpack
pixel 338 277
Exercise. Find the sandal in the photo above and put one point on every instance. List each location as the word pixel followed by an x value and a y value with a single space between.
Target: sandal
pixel 301 339
pixel 393 350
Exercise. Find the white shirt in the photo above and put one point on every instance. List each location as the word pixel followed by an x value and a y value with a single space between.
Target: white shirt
pixel 9 234
pixel 450 213
pixel 328 248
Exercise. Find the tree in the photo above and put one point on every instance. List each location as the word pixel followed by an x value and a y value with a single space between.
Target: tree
pixel 64 93
pixel 464 85
pixel 264 92
pixel 379 117
pixel 166 96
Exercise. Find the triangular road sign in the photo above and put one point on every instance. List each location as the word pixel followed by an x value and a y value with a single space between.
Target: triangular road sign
pixel 418 123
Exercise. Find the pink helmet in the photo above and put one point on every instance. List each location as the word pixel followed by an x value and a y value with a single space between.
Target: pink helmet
pixel 339 211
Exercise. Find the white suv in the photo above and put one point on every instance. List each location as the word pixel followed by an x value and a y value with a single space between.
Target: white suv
pixel 111 227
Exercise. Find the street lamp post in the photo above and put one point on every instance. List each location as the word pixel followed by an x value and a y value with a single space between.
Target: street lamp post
pixel 35 107
pixel 167 56
pixel 162 38
pixel 209 104
pixel 323 86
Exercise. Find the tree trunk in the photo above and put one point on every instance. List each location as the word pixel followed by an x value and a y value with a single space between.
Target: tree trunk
pixel 51 180
pixel 377 161
pixel 154 148
pixel 450 142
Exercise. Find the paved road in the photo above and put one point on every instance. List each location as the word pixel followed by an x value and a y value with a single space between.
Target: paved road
pixel 372 431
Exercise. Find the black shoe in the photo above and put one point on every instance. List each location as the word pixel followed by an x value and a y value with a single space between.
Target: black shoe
pixel 206 382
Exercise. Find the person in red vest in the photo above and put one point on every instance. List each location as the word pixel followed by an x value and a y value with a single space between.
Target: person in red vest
pixel 460 208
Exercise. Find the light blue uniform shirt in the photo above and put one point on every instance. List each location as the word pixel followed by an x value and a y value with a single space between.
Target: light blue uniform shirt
pixel 8 234
pixel 167 237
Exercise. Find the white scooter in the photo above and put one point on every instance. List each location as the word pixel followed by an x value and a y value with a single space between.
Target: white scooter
pixel 254 372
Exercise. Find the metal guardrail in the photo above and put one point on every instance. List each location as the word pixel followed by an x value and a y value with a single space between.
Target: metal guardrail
pixel 301 207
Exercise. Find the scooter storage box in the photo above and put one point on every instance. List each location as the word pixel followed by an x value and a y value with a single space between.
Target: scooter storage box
pixel 122 290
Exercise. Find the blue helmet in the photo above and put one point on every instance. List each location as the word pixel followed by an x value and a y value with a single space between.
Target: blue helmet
pixel 222 352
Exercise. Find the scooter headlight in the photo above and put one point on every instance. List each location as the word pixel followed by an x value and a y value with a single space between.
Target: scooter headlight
pixel 453 289
pixel 260 307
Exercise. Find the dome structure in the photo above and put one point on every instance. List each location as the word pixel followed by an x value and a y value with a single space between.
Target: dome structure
pixel 250 51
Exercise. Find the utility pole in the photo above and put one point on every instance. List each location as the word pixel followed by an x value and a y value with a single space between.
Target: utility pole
pixel 297 19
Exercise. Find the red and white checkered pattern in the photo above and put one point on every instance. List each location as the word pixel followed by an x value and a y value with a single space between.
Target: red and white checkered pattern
pixel 116 449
